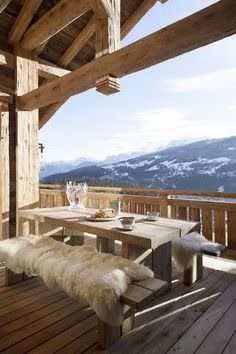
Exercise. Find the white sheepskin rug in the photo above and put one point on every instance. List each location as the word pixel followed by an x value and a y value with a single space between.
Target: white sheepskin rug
pixel 184 248
pixel 82 272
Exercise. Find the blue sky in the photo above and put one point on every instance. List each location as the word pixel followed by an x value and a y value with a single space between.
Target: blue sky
pixel 191 96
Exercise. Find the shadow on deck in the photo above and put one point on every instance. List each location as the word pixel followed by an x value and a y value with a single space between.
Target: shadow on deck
pixel 197 319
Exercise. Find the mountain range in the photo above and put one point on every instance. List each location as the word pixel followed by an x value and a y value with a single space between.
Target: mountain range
pixel 208 165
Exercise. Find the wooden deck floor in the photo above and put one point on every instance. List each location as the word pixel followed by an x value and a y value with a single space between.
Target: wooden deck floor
pixel 197 319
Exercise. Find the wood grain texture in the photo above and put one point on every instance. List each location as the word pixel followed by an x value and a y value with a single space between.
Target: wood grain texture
pixel 62 14
pixel 23 151
pixel 81 40
pixel 23 20
pixel 3 4
pixel 204 27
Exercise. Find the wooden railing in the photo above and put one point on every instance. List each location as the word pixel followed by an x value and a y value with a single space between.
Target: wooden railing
pixel 216 211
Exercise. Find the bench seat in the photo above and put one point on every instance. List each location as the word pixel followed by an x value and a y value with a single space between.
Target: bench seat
pixel 138 296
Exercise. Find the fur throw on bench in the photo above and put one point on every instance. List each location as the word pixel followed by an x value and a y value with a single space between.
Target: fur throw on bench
pixel 82 272
pixel 184 248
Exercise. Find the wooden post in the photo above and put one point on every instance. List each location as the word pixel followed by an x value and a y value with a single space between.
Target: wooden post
pixel 105 245
pixel 107 41
pixel 23 151
pixel 4 156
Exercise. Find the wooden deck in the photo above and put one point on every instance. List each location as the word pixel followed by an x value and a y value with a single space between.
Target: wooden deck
pixel 197 319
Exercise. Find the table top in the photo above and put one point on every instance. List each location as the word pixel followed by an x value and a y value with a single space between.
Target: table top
pixel 147 234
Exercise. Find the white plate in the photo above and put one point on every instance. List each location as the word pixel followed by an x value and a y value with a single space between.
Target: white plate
pixel 90 218
pixel 123 229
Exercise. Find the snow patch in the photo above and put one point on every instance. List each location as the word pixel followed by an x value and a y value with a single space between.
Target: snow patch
pixel 221 189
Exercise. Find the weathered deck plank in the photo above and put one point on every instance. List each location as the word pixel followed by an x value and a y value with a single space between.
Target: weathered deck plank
pixel 182 320
pixel 201 329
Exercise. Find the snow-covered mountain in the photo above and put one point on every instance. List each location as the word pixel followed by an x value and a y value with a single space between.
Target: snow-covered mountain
pixel 51 168
pixel 208 165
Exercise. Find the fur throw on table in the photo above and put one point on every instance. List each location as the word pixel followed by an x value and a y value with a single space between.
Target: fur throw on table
pixel 82 272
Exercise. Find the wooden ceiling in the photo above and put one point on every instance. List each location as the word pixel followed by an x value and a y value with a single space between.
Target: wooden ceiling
pixel 77 46
pixel 70 48
pixel 60 42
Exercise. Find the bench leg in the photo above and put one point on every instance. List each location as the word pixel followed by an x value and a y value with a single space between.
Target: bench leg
pixel 129 319
pixel 107 335
pixel 194 272
pixel 105 245
pixel 12 278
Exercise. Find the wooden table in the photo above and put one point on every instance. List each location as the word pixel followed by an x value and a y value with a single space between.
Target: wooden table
pixel 149 243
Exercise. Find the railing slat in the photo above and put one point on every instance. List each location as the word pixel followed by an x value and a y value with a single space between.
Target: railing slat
pixel 133 208
pixel 207 223
pixel 219 221
pixel 182 212
pixel 194 214
pixel 232 230
pixel 173 212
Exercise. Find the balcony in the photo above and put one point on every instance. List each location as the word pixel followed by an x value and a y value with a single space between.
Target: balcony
pixel 199 318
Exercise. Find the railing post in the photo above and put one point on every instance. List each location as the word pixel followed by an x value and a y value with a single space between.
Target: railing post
pixel 164 205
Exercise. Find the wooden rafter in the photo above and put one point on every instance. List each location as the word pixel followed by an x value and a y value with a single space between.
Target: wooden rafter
pixel 61 15
pixel 102 8
pixel 143 8
pixel 204 27
pixel 84 36
pixel 3 4
pixel 23 20
pixel 78 43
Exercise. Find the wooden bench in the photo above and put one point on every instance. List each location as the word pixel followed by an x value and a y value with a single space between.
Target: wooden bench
pixel 136 298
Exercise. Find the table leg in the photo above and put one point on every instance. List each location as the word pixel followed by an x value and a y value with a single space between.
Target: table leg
pixel 73 237
pixel 105 245
pixel 159 259
pixel 162 262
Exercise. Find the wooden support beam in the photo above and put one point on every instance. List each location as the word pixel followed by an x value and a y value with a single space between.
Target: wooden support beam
pixel 52 109
pixel 3 4
pixel 61 15
pixel 23 20
pixel 23 150
pixel 108 41
pixel 6 83
pixel 204 27
pixel 81 40
pixel 102 8
pixel 51 71
pixel 5 97
pixel 46 69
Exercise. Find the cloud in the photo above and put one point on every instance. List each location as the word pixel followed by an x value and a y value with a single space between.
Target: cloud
pixel 148 130
pixel 232 107
pixel 221 79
